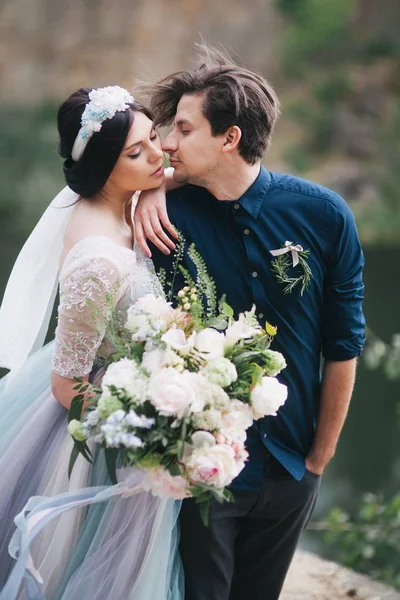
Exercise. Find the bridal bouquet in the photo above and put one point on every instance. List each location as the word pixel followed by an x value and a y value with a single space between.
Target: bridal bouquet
pixel 183 386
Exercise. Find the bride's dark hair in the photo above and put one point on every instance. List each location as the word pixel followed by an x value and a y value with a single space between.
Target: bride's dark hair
pixel 88 175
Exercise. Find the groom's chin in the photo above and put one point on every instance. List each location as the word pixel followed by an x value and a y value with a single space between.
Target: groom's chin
pixel 181 176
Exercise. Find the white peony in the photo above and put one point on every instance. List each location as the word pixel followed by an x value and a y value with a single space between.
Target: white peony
pixel 156 307
pixel 176 339
pixel 242 329
pixel 161 483
pixel 175 394
pixel 237 417
pixel 210 343
pixel 267 397
pixel 212 465
pixel 221 371
pixel 125 375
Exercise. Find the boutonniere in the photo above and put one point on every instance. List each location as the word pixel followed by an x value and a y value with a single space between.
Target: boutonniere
pixel 291 255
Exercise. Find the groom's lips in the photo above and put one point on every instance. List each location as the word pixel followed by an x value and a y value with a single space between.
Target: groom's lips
pixel 172 161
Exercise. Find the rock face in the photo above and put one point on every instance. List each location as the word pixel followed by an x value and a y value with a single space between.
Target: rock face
pixel 48 49
pixel 312 578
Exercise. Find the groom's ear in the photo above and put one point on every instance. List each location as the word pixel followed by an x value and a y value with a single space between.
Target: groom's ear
pixel 232 138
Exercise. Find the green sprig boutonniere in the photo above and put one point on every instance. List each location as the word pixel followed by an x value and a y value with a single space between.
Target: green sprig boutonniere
pixel 291 255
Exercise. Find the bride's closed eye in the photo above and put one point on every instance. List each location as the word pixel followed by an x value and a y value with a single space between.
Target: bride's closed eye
pixel 153 137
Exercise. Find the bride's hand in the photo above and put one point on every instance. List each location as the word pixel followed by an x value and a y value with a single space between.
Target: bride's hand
pixel 150 218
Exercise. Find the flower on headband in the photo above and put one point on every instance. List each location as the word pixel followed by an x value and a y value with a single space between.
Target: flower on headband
pixel 104 103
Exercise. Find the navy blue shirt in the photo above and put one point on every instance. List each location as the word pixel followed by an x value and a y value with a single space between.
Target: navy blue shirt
pixel 234 238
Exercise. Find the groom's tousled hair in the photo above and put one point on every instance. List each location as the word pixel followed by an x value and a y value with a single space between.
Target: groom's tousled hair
pixel 87 176
pixel 233 95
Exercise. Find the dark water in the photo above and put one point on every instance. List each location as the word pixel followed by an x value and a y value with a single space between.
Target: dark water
pixel 368 456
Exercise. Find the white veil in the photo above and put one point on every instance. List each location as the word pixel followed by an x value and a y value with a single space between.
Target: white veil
pixel 31 289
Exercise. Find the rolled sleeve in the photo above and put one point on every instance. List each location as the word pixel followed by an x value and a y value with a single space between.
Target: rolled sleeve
pixel 343 332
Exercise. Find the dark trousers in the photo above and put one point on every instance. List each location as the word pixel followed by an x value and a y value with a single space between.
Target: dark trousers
pixel 245 552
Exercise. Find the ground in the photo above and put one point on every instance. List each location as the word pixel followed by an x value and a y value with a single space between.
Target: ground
pixel 312 578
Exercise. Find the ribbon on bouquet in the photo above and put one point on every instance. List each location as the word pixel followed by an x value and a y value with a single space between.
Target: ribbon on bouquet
pixel 38 511
pixel 289 247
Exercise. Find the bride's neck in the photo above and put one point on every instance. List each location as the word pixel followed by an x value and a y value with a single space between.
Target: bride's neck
pixel 117 205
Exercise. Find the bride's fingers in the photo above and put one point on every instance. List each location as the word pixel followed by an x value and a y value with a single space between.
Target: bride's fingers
pixel 156 234
pixel 140 238
pixel 166 223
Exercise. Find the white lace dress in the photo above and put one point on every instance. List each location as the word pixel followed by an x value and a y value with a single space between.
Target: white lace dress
pixel 109 551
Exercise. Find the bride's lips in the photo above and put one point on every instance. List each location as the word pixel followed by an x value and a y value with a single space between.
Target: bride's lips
pixel 159 171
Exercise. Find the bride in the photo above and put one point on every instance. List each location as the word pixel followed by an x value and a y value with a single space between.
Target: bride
pixel 125 549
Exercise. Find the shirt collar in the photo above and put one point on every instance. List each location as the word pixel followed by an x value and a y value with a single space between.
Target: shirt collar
pixel 253 198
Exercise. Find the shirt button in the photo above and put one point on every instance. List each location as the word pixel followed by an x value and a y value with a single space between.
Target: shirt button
pixel 265 435
pixel 246 231
pixel 236 205
pixel 254 274
pixel 260 315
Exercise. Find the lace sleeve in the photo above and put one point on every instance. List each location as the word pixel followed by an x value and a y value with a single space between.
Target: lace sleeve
pixel 147 281
pixel 89 291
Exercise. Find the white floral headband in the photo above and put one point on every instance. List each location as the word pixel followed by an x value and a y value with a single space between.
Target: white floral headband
pixel 103 104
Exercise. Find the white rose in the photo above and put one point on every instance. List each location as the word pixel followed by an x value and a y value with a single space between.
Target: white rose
pixel 240 330
pixel 267 397
pixel 210 343
pixel 212 465
pixel 237 417
pixel 125 375
pixel 174 394
pixel 176 339
pixel 220 371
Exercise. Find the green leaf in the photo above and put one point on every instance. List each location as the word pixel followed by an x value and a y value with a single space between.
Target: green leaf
pixel 257 375
pixel 204 509
pixel 219 323
pixel 74 455
pixel 79 448
pixel 111 455
pixel 174 470
pixel 227 310
pixel 76 408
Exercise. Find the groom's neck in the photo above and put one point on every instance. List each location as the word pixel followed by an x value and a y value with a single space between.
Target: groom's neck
pixel 233 180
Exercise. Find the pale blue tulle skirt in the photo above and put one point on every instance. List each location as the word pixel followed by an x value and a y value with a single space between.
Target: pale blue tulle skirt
pixel 122 549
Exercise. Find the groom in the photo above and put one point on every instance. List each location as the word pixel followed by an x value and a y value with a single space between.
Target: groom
pixel 236 211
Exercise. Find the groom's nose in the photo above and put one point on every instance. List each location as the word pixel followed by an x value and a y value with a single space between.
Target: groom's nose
pixel 170 144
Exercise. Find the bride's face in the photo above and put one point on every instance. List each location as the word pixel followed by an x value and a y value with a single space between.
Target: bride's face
pixel 140 164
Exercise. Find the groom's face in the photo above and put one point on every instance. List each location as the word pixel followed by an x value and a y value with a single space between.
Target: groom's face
pixel 194 152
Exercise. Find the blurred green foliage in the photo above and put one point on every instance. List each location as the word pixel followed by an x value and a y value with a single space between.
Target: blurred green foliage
pixel 317 31
pixel 30 168
pixel 370 541
pixel 327 58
